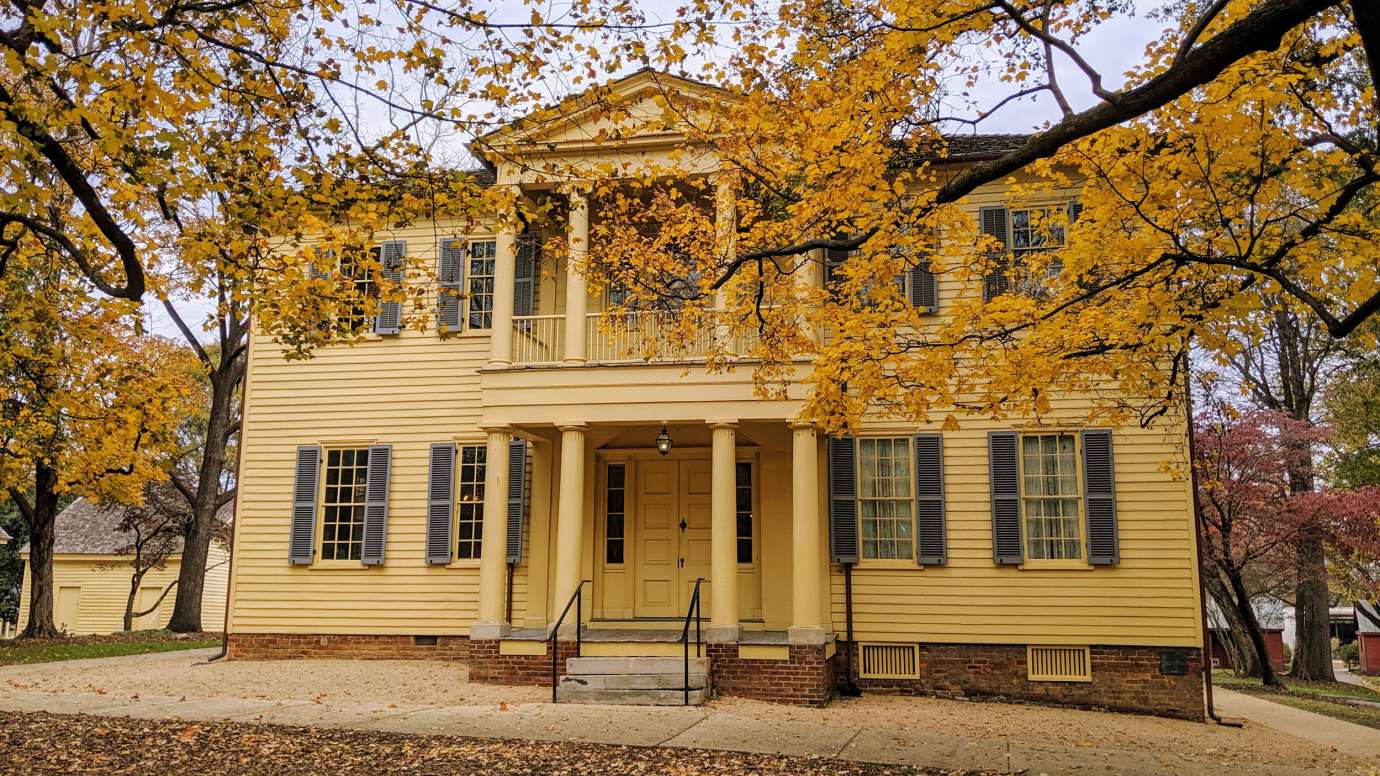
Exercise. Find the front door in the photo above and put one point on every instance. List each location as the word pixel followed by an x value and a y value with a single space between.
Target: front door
pixel 673 522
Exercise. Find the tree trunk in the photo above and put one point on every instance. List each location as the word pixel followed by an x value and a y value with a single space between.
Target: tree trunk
pixel 1237 642
pixel 128 624
pixel 191 575
pixel 1313 650
pixel 1246 613
pixel 42 518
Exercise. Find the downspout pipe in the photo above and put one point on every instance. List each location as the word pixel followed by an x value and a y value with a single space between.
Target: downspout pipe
pixel 850 687
pixel 1206 658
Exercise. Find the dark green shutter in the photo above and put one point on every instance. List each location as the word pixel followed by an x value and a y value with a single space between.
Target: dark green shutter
pixel 451 276
pixel 996 282
pixel 376 504
pixel 517 480
pixel 440 502
pixel 302 539
pixel 924 289
pixel 843 499
pixel 1006 498
pixel 389 318
pixel 525 278
pixel 1099 497
pixel 930 542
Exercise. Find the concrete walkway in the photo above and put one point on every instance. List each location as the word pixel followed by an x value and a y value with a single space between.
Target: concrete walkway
pixel 912 731
pixel 1346 737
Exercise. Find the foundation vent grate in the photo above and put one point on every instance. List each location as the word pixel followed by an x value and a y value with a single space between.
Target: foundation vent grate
pixel 1058 664
pixel 889 661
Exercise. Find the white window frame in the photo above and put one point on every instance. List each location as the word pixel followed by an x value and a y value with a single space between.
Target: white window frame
pixel 908 466
pixel 470 276
pixel 1076 497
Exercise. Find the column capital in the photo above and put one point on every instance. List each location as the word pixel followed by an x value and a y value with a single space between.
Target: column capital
pixel 497 428
pixel 572 425
pixel 801 424
pixel 717 423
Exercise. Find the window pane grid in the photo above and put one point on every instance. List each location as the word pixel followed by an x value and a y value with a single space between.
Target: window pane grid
pixel 615 512
pixel 469 502
pixel 352 267
pixel 1050 496
pixel 885 498
pixel 481 275
pixel 342 514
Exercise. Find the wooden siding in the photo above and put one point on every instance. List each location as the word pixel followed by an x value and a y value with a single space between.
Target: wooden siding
pixel 103 582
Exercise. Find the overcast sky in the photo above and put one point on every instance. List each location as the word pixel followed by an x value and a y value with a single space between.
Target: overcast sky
pixel 1114 47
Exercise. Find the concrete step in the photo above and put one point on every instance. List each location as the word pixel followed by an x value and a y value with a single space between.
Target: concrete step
pixel 635 665
pixel 634 681
pixel 572 694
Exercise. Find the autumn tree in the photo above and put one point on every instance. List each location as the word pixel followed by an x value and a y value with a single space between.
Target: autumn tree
pixel 87 403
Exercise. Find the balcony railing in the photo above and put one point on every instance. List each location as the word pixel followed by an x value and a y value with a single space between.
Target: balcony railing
pixel 635 337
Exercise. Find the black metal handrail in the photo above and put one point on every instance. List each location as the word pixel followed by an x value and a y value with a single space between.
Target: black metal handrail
pixel 576 601
pixel 694 609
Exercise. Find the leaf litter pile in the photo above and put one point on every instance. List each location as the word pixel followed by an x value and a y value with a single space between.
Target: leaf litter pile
pixel 41 743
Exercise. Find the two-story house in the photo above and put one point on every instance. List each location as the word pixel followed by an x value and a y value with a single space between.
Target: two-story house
pixel 420 495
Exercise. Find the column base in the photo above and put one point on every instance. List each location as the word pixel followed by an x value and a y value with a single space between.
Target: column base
pixel 722 634
pixel 489 630
pixel 809 635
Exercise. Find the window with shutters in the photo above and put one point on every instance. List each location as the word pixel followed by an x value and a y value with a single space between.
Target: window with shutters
pixel 481 259
pixel 342 504
pixel 743 509
pixel 1051 499
pixel 359 267
pixel 469 501
pixel 886 498
pixel 615 511
pixel 836 271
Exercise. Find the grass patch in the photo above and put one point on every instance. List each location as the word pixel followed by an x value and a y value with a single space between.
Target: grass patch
pixel 24 651
pixel 1332 699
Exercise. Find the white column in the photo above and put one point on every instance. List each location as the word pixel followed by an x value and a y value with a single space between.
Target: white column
pixel 723 535
pixel 806 583
pixel 570 522
pixel 505 269
pixel 493 548
pixel 576 290
pixel 725 240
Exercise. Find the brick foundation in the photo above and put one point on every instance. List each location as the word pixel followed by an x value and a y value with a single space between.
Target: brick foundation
pixel 1123 679
pixel 287 646
pixel 487 666
pixel 805 679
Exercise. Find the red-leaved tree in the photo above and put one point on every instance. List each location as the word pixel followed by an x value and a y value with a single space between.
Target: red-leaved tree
pixel 1251 517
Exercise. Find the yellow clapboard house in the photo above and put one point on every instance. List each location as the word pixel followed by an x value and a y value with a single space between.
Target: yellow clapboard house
pixel 415 495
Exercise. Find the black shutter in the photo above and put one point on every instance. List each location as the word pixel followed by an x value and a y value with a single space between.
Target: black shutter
pixel 376 504
pixel 843 499
pixel 996 282
pixel 1099 497
pixel 1006 498
pixel 924 289
pixel 929 500
pixel 440 504
pixel 302 535
pixel 517 478
pixel 389 318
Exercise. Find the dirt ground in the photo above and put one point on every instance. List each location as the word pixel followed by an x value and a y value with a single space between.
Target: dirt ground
pixel 428 683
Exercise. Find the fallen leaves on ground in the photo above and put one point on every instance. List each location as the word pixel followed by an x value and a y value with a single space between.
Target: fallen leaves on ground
pixel 40 743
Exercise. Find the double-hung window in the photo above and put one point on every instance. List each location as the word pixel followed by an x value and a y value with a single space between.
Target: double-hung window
pixel 886 498
pixel 342 504
pixel 1050 496
pixel 1034 230
pixel 469 501
pixel 481 283
pixel 353 265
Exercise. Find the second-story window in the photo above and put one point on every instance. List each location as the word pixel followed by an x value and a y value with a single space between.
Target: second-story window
pixel 352 265
pixel 481 290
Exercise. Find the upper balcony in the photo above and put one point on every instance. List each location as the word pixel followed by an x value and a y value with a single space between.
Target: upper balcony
pixel 609 339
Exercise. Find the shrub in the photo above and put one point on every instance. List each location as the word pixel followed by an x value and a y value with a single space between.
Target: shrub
pixel 1350 654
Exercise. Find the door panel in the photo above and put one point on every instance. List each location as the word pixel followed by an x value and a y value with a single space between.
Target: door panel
pixel 658 541
pixel 697 509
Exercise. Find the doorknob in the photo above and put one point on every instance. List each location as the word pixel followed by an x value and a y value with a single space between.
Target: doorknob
pixel 683 525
